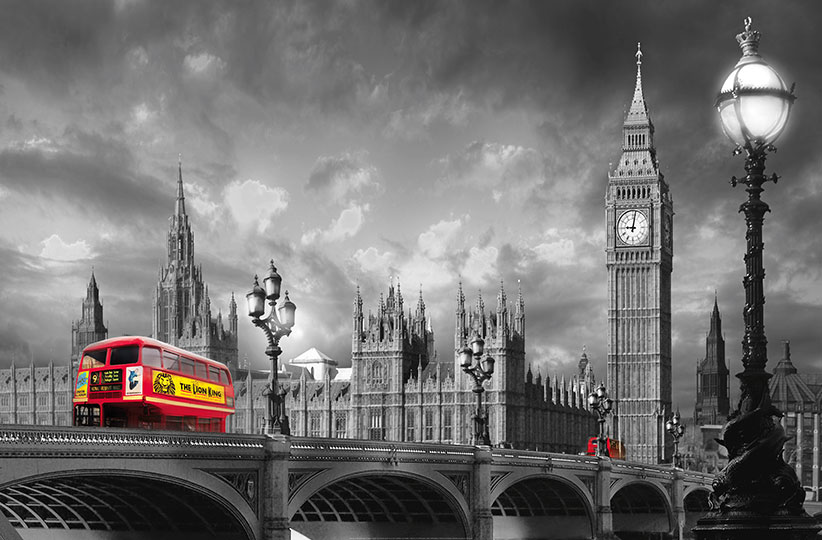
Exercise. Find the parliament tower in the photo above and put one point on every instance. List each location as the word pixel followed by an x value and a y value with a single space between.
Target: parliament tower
pixel 182 308
pixel 712 397
pixel 639 215
pixel 90 328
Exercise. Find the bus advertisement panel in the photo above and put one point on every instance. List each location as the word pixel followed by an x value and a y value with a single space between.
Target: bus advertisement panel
pixel 141 382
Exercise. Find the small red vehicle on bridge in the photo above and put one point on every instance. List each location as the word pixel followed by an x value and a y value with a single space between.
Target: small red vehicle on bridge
pixel 614 447
pixel 139 382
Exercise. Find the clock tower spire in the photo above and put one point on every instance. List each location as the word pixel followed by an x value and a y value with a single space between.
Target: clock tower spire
pixel 639 221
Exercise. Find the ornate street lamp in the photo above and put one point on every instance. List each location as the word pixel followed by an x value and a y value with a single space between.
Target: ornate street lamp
pixel 274 328
pixel 757 490
pixel 677 430
pixel 480 370
pixel 601 404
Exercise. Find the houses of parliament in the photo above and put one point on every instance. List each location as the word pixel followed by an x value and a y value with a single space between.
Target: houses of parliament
pixel 397 389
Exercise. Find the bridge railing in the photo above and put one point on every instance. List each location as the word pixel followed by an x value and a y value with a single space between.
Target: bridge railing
pixel 34 441
pixel 531 458
pixel 318 449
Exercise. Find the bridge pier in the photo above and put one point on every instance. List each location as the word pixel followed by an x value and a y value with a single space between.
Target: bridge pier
pixel 274 522
pixel 482 522
pixel 678 492
pixel 602 500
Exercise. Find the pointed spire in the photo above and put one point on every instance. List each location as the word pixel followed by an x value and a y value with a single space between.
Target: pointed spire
pixel 480 303
pixel 181 199
pixel 420 303
pixel 460 298
pixel 716 320
pixel 638 113
pixel 520 302
pixel 358 301
pixel 502 300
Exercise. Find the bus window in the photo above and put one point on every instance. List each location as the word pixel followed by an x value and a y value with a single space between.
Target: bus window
pixel 87 415
pixel 189 423
pixel 204 424
pixel 152 357
pixel 223 376
pixel 174 423
pixel 213 374
pixel 186 366
pixel 124 355
pixel 115 416
pixel 200 370
pixel 94 359
pixel 171 361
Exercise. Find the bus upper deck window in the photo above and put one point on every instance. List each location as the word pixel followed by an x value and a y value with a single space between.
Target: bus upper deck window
pixel 94 359
pixel 201 370
pixel 152 357
pixel 186 366
pixel 171 361
pixel 124 355
pixel 213 374
pixel 224 376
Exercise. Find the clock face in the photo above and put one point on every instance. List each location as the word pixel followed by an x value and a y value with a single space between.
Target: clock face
pixel 632 227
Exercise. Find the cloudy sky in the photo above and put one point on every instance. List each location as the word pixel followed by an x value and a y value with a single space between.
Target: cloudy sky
pixel 356 140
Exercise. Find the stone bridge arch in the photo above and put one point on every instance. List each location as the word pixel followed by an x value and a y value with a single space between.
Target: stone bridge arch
pixel 525 504
pixel 362 501
pixel 115 501
pixel 642 509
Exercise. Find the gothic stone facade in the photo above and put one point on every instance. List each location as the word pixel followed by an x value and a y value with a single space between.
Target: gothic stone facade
pixel 182 308
pixel 639 217
pixel 36 395
pixel 395 393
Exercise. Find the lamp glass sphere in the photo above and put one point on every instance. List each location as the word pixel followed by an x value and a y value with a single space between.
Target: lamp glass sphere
pixel 601 391
pixel 754 103
pixel 607 404
pixel 256 300
pixel 488 365
pixel 478 345
pixel 592 399
pixel 287 311
pixel 466 357
pixel 272 282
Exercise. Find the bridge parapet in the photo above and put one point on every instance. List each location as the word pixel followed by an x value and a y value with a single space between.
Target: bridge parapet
pixel 316 449
pixel 33 441
pixel 530 458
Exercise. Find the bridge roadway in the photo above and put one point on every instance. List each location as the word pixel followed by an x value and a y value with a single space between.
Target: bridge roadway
pixel 128 484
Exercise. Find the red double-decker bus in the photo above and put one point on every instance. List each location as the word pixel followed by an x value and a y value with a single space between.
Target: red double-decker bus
pixel 614 447
pixel 139 382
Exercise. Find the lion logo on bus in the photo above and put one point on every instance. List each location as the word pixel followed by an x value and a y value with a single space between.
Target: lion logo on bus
pixel 164 384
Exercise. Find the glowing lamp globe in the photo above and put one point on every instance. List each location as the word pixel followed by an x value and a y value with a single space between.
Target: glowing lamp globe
pixel 754 103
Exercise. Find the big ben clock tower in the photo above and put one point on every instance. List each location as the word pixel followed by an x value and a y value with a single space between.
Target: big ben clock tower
pixel 639 214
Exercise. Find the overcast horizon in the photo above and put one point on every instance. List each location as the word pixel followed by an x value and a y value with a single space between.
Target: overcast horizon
pixel 354 141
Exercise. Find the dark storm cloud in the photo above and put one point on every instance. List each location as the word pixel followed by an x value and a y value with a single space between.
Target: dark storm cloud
pixel 89 171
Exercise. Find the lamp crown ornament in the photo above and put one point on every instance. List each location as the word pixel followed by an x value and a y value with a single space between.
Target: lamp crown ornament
pixel 749 40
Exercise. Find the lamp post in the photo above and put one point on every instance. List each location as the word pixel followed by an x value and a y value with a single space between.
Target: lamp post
pixel 756 491
pixel 601 404
pixel 677 430
pixel 275 328
pixel 480 370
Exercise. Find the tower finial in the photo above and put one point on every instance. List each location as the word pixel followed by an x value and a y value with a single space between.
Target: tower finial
pixel 181 199
pixel 638 53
